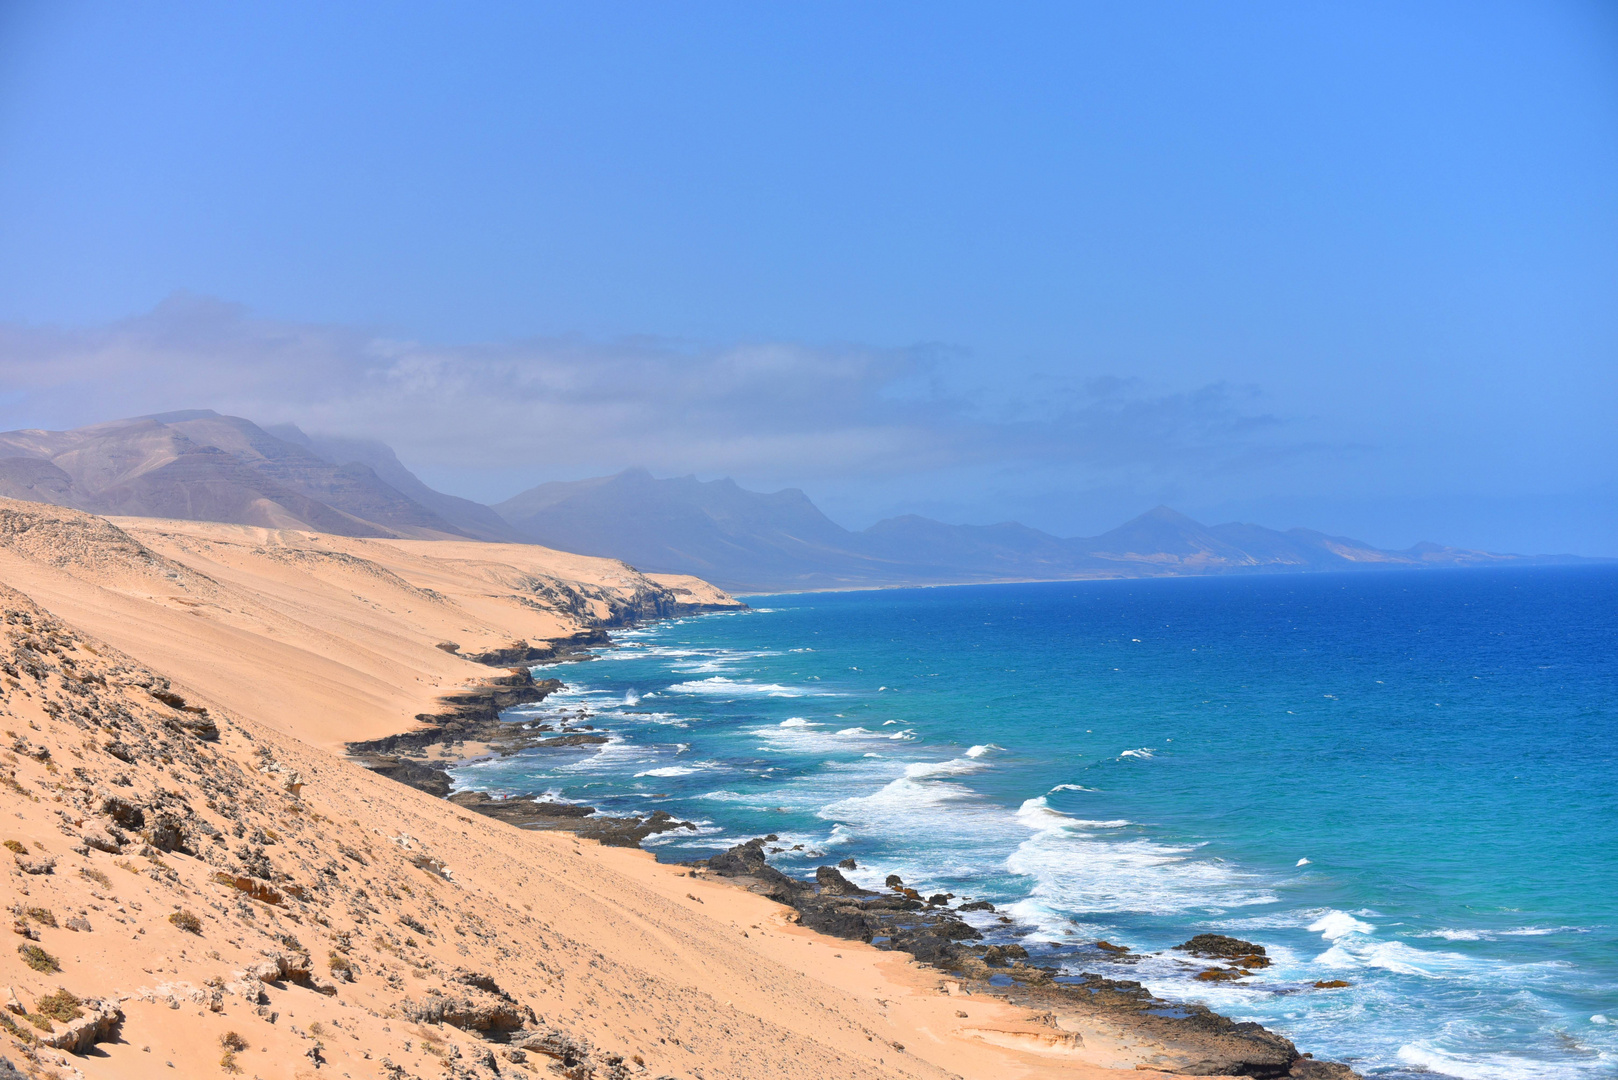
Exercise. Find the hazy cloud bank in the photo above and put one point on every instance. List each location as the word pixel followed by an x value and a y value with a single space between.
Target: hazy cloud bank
pixel 521 412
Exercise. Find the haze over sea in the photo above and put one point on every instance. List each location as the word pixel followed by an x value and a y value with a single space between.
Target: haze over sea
pixel 1402 780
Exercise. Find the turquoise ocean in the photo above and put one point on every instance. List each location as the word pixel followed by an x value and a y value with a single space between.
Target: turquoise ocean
pixel 1404 780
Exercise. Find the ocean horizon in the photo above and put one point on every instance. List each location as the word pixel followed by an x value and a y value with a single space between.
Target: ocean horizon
pixel 1402 781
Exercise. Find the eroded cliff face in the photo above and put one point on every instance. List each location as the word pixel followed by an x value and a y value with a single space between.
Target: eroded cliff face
pixel 190 888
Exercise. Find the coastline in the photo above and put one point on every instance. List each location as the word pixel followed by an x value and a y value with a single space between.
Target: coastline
pixel 203 864
pixel 1070 1015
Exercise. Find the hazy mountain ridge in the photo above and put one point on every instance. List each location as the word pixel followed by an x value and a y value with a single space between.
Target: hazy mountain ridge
pixel 745 540
pixel 200 465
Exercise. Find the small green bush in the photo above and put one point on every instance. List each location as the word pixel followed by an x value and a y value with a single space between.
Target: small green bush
pixel 38 958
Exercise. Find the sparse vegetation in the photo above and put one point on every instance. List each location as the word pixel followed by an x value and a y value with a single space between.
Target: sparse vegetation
pixel 125 864
pixel 232 1042
pixel 42 915
pixel 90 873
pixel 187 922
pixel 17 847
pixel 340 966
pixel 62 1005
pixel 9 1026
pixel 37 958
pixel 40 1021
pixel 227 1062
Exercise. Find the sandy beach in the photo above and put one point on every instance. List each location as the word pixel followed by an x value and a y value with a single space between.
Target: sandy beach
pixel 218 889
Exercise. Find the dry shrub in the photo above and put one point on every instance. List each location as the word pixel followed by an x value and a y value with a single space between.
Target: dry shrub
pixel 187 922
pixel 61 1005
pixel 232 1042
pixel 37 958
pixel 90 873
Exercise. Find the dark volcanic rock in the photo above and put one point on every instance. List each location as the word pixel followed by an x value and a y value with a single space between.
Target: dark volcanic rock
pixel 1220 947
pixel 1199 1041
pixel 473 714
pixel 411 774
pixel 521 809
pixel 833 882
pixel 630 831
pixel 546 652
pixel 1310 1069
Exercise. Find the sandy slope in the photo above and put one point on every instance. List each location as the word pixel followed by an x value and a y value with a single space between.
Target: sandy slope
pixel 298 866
pixel 326 638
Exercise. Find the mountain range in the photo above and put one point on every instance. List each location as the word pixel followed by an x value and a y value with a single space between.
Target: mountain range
pixel 200 465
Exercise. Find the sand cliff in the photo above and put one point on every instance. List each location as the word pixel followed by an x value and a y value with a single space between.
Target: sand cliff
pixel 202 885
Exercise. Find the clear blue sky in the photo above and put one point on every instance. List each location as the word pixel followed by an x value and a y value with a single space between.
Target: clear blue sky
pixel 1349 265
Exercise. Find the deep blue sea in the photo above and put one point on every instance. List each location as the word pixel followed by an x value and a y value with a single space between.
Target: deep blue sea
pixel 1406 780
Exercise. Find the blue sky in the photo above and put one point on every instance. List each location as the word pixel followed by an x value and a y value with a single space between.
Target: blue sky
pixel 1353 266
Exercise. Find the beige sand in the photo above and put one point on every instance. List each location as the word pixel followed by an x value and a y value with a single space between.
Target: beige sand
pixel 296 643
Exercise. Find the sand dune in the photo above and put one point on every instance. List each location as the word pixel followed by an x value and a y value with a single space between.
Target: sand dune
pixel 190 859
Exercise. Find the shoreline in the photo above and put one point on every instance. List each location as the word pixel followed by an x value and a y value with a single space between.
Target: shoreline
pixel 198 886
pixel 1189 1038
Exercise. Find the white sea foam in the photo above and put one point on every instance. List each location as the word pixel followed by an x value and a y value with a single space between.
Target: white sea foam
pixel 921 789
pixel 1302 862
pixel 794 721
pixel 1465 934
pixel 1070 787
pixel 1481 1066
pixel 719 686
pixel 979 751
pixel 1339 924
pixel 1076 867
pixel 671 770
pixel 922 770
pixel 1402 959
pixel 1143 752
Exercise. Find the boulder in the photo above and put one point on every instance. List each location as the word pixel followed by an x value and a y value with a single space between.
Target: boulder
pixel 832 882
pixel 109 839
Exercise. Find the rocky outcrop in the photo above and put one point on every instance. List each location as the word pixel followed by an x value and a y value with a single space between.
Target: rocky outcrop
pixel 473 1010
pixel 554 651
pixel 1220 947
pixel 1196 1041
pixel 99 1023
pixel 414 774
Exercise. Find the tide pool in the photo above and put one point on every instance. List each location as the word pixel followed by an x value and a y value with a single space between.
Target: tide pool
pixel 1401 780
